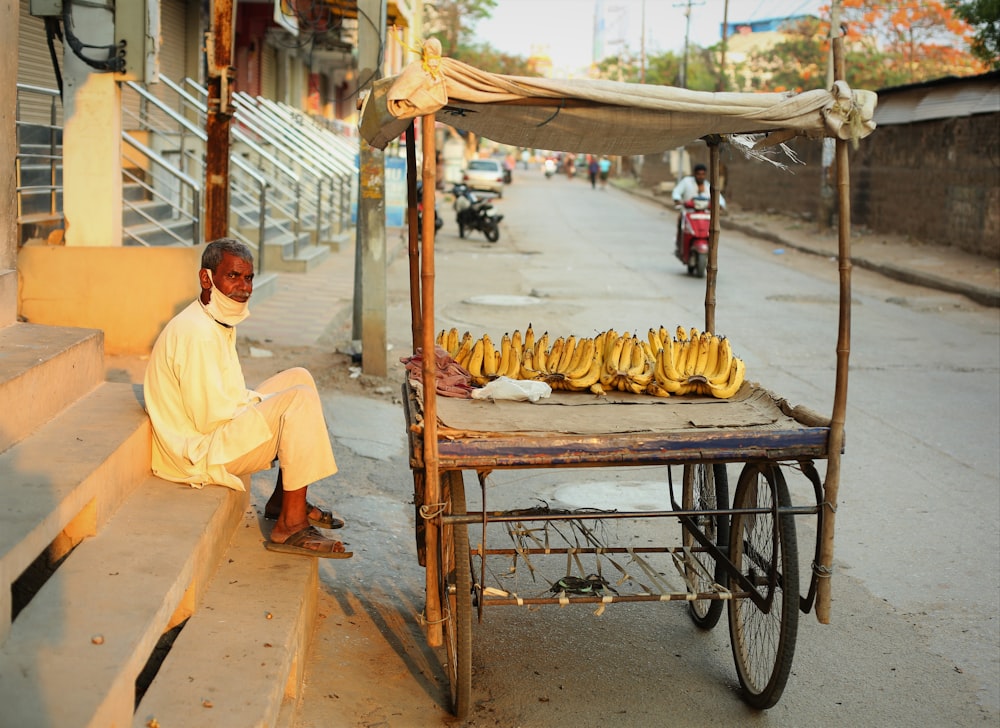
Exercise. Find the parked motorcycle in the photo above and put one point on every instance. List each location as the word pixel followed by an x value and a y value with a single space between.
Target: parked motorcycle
pixel 692 245
pixel 438 220
pixel 475 213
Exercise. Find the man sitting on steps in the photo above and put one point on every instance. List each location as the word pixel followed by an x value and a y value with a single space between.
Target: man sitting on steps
pixel 209 428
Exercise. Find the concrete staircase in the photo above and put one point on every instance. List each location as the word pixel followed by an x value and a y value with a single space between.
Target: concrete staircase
pixel 126 598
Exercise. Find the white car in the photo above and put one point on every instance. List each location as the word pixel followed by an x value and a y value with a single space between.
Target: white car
pixel 485 175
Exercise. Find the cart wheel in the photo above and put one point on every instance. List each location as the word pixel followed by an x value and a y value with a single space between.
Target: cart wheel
pixel 765 552
pixel 706 487
pixel 457 596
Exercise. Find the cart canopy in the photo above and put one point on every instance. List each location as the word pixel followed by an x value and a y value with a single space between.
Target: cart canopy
pixel 596 116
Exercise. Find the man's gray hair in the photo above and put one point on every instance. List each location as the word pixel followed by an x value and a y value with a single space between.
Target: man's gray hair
pixel 214 251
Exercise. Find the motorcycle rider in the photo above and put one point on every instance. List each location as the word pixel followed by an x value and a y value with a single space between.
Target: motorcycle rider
pixel 690 187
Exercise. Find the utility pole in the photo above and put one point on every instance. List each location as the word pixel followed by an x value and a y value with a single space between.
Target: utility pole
pixel 720 84
pixel 642 45
pixel 369 323
pixel 221 75
pixel 687 36
pixel 826 182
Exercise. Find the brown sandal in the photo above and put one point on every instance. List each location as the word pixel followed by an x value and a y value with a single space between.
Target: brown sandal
pixel 326 518
pixel 299 543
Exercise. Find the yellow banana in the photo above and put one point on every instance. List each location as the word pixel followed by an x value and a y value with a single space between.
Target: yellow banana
pixel 489 357
pixel 589 377
pixel 476 360
pixel 453 342
pixel 722 367
pixel 597 389
pixel 692 354
pixel 505 355
pixel 704 344
pixel 637 363
pixel 541 357
pixel 736 377
pixel 693 334
pixel 440 338
pixel 464 352
pixel 554 355
pixel 713 356
pixel 527 369
pixel 582 359
pixel 614 354
pixel 625 358
pixel 653 337
pixel 669 356
pixel 569 348
pixel 682 334
pixel 635 387
pixel 529 338
pixel 656 390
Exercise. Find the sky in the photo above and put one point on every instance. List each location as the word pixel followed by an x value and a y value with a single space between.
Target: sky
pixel 564 29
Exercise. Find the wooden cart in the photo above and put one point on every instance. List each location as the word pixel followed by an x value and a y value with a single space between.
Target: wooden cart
pixel 738 550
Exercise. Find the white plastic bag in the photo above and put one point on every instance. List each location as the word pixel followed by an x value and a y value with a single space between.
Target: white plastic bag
pixel 513 389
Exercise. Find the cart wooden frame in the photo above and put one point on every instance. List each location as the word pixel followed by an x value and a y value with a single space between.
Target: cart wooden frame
pixel 755 573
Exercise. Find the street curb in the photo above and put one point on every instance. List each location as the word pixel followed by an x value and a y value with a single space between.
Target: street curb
pixel 980 295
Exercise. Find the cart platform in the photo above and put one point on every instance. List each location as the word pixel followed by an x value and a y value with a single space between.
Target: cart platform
pixel 576 429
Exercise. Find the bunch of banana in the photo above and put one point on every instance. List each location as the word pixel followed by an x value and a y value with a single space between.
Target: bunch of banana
pixel 695 362
pixel 628 363
pixel 449 341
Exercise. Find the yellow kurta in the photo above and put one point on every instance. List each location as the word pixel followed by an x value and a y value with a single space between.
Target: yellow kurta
pixel 198 402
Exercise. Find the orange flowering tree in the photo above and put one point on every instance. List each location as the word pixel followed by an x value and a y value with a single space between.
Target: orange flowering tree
pixel 887 43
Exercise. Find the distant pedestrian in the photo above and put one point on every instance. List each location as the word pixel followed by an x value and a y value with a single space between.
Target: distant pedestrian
pixel 592 170
pixel 604 167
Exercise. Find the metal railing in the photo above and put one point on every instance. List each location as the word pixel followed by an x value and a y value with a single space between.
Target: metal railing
pixel 38 110
pixel 154 175
pixel 288 173
pixel 174 135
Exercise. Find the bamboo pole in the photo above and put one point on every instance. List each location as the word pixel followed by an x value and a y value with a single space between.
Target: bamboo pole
pixel 432 484
pixel 713 234
pixel 413 248
pixel 824 569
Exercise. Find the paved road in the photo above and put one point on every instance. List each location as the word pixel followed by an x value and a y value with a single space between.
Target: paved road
pixel 914 638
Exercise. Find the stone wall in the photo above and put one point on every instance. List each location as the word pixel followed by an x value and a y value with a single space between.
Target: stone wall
pixel 936 181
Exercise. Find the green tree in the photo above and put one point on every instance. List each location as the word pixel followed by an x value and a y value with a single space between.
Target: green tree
pixel 488 58
pixel 662 69
pixel 453 21
pixel 984 17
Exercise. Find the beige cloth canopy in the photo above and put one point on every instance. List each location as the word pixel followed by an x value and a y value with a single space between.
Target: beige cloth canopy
pixel 595 116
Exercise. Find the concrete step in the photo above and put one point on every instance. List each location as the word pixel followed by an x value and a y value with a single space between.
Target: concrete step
pixel 140 212
pixel 68 478
pixel 74 653
pixel 244 648
pixel 280 256
pixel 42 370
pixel 167 232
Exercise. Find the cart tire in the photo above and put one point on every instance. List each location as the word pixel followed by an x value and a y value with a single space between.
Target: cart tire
pixel 706 487
pixel 763 642
pixel 457 595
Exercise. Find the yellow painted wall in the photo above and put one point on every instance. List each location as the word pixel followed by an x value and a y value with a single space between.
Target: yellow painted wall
pixel 128 292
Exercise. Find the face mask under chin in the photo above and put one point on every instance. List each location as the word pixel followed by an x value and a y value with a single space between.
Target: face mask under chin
pixel 224 309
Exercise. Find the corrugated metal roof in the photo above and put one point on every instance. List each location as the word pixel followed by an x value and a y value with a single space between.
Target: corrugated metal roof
pixel 961 97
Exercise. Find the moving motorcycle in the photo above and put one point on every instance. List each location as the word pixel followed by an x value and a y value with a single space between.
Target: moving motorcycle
pixel 438 221
pixel 475 213
pixel 692 242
